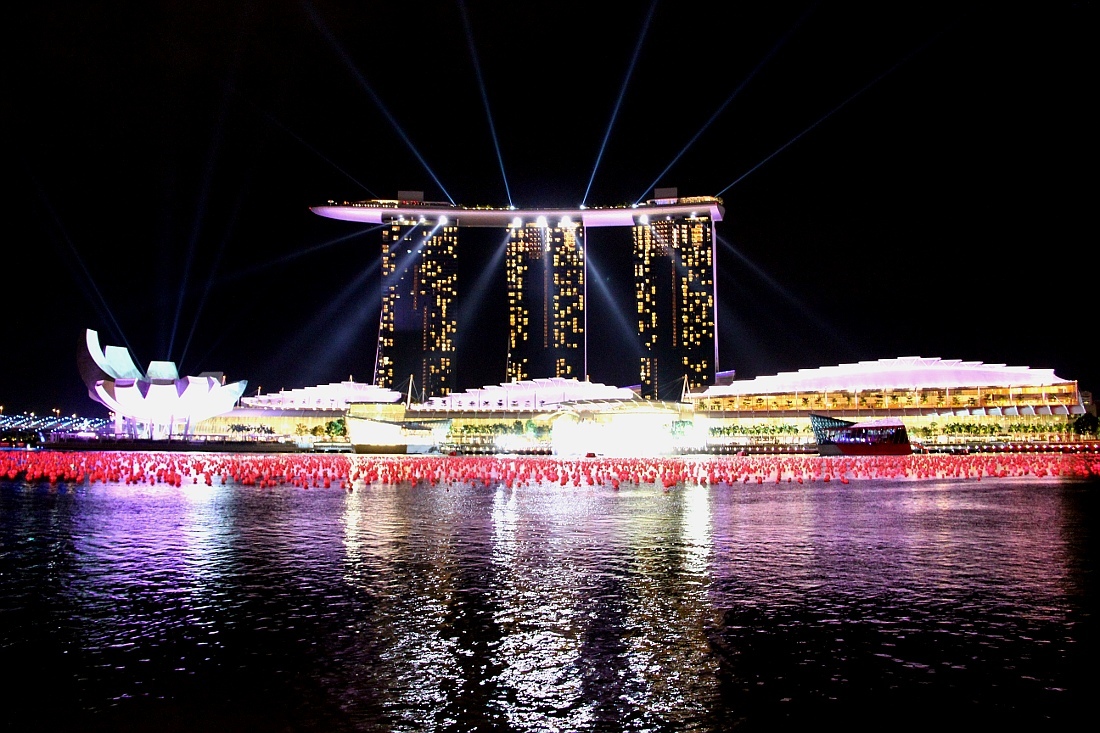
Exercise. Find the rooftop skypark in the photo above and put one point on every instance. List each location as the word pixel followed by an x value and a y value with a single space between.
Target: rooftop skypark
pixel 410 206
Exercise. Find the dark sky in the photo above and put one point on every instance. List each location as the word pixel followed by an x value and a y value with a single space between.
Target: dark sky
pixel 899 178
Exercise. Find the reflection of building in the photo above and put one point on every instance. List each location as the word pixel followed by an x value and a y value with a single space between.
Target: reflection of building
pixel 674 290
pixel 544 269
pixel 419 286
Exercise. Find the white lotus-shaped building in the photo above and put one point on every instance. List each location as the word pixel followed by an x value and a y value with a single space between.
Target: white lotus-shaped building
pixel 158 403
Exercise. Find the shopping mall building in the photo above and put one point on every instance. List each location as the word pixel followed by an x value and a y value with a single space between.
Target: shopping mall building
pixel 939 401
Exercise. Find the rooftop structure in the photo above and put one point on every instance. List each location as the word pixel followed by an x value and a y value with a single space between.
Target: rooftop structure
pixel 334 396
pixel 530 395
pixel 413 209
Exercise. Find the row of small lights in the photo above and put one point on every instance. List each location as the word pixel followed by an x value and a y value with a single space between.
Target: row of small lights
pixel 541 221
pixel 56 413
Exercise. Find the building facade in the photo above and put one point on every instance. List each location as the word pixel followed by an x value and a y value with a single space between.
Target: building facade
pixel 674 274
pixel 417 328
pixel 545 272
pixel 545 275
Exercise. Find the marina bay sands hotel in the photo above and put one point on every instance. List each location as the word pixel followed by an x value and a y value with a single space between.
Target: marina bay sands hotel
pixel 674 277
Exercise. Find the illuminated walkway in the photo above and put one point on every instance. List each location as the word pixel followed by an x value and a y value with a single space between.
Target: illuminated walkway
pixel 357 471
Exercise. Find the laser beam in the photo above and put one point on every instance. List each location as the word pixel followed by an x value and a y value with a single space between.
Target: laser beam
pixel 196 225
pixel 98 301
pixel 760 65
pixel 832 112
pixel 301 253
pixel 267 117
pixel 216 260
pixel 343 317
pixel 619 101
pixel 761 276
pixel 484 97
pixel 628 330
pixel 320 24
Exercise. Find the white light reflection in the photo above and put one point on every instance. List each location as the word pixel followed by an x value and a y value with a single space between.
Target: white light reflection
pixel 666 666
pixel 697 541
pixel 399 553
pixel 504 529
pixel 540 595
pixel 202 533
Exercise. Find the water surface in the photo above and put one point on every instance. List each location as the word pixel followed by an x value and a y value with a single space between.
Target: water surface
pixel 458 608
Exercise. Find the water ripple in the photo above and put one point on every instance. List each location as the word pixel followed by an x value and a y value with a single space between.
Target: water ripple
pixel 457 607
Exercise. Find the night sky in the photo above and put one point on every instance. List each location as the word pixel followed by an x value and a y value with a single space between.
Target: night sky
pixel 899 179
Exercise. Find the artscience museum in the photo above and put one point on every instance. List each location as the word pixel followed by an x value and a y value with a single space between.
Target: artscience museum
pixel 157 403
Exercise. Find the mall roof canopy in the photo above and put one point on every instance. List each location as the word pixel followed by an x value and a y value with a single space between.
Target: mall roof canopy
pixel 544 394
pixel 903 373
pixel 333 396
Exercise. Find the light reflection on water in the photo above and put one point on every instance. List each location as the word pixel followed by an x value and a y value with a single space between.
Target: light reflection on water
pixel 472 607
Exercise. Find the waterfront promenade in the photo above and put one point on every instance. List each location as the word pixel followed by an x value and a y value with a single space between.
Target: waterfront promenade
pixel 348 472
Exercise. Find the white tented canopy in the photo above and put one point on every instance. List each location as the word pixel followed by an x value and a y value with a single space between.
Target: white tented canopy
pixel 904 373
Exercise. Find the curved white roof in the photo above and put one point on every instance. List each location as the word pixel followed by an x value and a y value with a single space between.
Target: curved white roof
pixel 191 399
pixel 546 394
pixel 334 396
pixel 907 372
pixel 114 361
pixel 160 397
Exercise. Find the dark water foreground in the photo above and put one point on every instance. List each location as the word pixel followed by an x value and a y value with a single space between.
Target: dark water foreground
pixel 876 605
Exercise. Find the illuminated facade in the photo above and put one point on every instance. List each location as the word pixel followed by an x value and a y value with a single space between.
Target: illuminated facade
pixel 911 387
pixel 417 329
pixel 674 272
pixel 157 403
pixel 545 273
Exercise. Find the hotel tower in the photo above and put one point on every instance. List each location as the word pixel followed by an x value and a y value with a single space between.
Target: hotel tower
pixel 417 327
pixel 544 270
pixel 545 261
pixel 674 274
